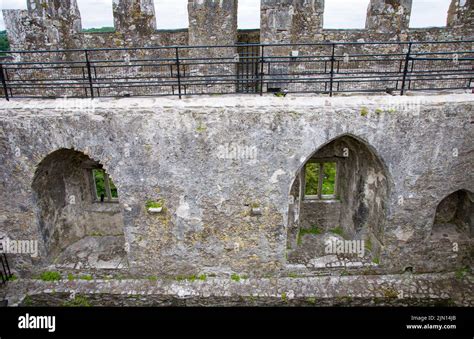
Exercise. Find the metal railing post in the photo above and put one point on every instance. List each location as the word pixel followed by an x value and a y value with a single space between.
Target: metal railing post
pixel 405 68
pixel 261 70
pixel 4 83
pixel 89 74
pixel 332 69
pixel 5 273
pixel 178 72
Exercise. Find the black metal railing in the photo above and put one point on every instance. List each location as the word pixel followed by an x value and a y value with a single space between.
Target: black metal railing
pixel 5 273
pixel 321 68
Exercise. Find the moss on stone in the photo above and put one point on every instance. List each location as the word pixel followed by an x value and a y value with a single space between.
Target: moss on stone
pixel 462 272
pixel 390 293
pixel 154 204
pixel 50 276
pixel 86 277
pixel 27 300
pixel 12 278
pixel 78 301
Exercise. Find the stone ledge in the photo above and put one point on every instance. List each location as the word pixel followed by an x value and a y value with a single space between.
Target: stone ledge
pixel 142 104
pixel 424 289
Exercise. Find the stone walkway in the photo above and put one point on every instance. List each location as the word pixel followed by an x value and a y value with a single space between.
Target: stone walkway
pixel 408 289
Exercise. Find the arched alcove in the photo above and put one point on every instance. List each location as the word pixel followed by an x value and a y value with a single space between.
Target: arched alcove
pixel 339 194
pixel 78 214
pixel 454 218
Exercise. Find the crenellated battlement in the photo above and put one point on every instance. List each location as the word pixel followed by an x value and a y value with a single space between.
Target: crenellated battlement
pixel 48 24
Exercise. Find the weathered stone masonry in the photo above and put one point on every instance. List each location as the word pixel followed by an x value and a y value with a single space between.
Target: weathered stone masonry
pixel 406 187
pixel 168 149
pixel 49 24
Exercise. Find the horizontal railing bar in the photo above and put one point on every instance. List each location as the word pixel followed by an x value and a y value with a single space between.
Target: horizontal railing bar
pixel 166 72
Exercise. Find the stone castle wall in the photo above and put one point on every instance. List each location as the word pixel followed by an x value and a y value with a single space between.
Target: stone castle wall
pixel 227 169
pixel 49 24
pixel 175 151
pixel 52 25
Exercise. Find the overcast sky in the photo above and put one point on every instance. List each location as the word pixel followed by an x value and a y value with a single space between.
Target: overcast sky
pixel 173 13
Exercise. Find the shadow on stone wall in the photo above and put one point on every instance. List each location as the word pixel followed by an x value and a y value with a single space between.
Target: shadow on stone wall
pixel 350 207
pixel 78 230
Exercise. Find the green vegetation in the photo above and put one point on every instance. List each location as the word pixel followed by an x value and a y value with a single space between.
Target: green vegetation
pixel 338 230
pixel 283 296
pixel 462 272
pixel 235 277
pixel 99 30
pixel 368 245
pixel 364 111
pixel 152 278
pixel 99 178
pixel 12 278
pixel 4 44
pixel 390 293
pixel 201 128
pixel 312 178
pixel 78 301
pixel 50 276
pixel 313 230
pixel 344 273
pixel 87 277
pixel 311 300
pixel 154 204
pixel 27 301
pixel 376 260
pixel 191 278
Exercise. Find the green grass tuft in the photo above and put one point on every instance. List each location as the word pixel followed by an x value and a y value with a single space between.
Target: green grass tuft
pixel 154 204
pixel 50 276
pixel 12 278
pixel 27 301
pixel 462 272
pixel 87 277
pixel 78 301
pixel 235 277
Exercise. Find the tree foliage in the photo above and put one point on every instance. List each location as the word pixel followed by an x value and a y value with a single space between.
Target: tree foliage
pixel 312 178
pixel 4 44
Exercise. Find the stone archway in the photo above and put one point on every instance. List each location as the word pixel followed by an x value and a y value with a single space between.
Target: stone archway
pixel 454 218
pixel 339 195
pixel 78 214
